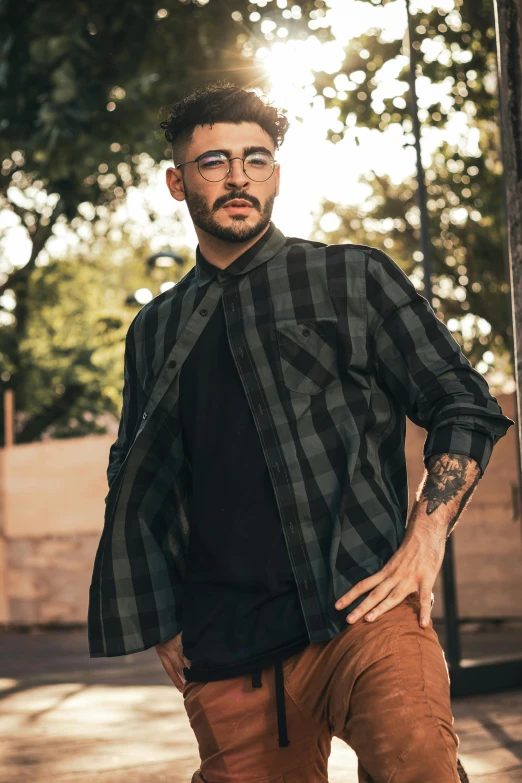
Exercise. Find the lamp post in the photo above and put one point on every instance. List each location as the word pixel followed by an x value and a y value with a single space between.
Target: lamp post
pixel 494 675
pixel 448 565
pixel 162 260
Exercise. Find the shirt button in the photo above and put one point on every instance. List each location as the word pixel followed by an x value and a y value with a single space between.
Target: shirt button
pixel 145 415
pixel 203 311
pixel 172 363
pixel 306 332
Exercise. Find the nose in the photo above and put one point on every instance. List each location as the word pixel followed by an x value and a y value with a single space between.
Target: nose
pixel 236 178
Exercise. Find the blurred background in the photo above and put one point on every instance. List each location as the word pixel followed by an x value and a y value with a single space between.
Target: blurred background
pixel 394 142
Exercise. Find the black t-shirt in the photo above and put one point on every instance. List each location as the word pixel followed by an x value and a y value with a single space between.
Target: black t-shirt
pixel 241 608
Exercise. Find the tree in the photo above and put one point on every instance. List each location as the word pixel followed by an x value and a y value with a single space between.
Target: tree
pixel 81 308
pixel 465 199
pixel 509 21
pixel 81 89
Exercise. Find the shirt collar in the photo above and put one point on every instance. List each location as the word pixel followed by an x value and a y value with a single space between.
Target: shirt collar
pixel 261 251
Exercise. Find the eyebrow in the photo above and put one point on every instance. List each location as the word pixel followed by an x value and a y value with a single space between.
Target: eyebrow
pixel 228 153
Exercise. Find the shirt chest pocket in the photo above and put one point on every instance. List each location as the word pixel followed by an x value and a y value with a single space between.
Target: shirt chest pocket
pixel 308 354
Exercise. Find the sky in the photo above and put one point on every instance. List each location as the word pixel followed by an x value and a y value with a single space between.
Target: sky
pixel 289 66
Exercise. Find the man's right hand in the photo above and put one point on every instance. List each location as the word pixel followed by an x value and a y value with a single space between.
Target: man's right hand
pixel 171 656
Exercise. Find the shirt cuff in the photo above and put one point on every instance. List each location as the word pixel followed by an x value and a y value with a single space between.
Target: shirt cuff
pixel 475 442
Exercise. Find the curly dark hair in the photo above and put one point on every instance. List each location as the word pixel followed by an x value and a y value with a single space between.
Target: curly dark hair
pixel 220 102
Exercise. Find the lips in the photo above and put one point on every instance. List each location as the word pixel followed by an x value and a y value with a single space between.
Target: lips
pixel 237 203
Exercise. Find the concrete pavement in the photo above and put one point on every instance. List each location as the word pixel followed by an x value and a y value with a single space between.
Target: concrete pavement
pixel 67 718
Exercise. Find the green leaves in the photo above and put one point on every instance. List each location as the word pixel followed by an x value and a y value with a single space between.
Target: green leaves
pixel 83 86
pixel 46 50
pixel 465 198
pixel 72 348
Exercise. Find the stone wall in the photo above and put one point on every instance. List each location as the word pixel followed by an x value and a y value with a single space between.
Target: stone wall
pixel 52 506
pixel 488 536
pixel 51 512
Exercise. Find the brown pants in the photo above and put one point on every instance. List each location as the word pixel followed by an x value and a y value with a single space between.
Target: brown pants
pixel 382 687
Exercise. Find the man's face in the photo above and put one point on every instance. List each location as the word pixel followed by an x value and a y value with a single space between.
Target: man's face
pixel 209 202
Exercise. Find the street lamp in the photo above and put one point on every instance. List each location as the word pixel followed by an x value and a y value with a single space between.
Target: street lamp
pixel 478 677
pixel 162 260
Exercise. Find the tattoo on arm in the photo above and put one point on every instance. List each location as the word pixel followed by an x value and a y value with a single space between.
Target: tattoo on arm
pixel 448 475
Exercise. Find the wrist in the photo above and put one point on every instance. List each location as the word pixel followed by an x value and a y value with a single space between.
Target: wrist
pixel 429 528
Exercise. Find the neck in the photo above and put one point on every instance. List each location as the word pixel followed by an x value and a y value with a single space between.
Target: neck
pixel 221 253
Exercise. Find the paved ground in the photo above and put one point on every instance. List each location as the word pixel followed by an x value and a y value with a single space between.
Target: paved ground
pixel 67 718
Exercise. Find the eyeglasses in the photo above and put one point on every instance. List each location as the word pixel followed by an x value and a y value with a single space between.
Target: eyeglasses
pixel 215 166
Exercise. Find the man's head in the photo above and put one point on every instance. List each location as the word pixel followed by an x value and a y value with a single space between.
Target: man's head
pixel 228 122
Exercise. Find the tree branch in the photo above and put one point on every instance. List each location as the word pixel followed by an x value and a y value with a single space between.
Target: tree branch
pixel 39 240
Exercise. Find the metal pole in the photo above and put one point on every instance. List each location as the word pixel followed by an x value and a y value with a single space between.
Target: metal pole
pixel 8 418
pixel 8 403
pixel 453 654
pixel 421 183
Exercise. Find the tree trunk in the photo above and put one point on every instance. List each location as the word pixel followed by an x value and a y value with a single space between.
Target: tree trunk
pixel 508 19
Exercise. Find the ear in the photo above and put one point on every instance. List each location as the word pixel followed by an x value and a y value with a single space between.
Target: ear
pixel 277 175
pixel 175 183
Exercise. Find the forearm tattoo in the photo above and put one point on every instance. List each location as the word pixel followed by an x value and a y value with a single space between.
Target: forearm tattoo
pixel 450 477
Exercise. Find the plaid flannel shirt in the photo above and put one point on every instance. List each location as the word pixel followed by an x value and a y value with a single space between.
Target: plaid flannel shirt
pixel 334 347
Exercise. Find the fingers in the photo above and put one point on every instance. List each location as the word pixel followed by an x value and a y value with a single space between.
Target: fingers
pixel 179 681
pixel 173 665
pixel 378 602
pixel 175 646
pixel 186 661
pixel 171 655
pixel 393 599
pixel 370 601
pixel 361 587
pixel 177 651
pixel 426 604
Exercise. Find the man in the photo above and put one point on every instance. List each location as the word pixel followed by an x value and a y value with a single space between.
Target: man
pixel 256 514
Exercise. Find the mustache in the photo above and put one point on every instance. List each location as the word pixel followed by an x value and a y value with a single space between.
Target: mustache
pixel 222 200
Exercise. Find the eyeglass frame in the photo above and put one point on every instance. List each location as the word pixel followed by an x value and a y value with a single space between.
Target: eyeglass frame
pixel 237 157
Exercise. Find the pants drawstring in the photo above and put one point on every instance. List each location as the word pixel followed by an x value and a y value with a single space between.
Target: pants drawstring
pixel 280 701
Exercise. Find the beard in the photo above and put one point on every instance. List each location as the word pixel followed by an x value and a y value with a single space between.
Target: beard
pixel 203 216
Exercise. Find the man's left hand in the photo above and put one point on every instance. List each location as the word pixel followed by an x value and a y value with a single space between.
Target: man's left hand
pixel 412 568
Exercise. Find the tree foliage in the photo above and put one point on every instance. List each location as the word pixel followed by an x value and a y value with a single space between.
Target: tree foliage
pixel 456 51
pixel 82 86
pixel 72 349
pixel 81 96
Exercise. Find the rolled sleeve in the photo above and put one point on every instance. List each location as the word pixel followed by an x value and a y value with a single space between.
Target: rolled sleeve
pixel 422 367
pixel 461 437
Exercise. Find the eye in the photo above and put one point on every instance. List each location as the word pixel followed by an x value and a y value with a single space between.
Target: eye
pixel 258 159
pixel 213 161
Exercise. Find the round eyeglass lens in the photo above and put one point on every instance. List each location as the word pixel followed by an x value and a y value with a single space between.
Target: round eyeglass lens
pixel 214 167
pixel 259 166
